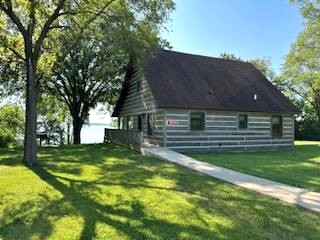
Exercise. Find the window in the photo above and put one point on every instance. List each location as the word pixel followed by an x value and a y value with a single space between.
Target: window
pixel 243 121
pixel 197 121
pixel 276 122
pixel 138 86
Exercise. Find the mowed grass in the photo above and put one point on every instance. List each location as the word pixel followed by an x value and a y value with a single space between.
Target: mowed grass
pixel 108 192
pixel 300 167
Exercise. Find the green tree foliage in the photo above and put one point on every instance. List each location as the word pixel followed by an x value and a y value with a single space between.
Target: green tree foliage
pixel 25 25
pixel 300 78
pixel 29 42
pixel 11 124
pixel 90 65
pixel 229 56
pixel 53 118
pixel 262 64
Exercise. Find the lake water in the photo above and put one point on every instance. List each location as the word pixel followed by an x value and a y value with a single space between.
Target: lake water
pixel 93 133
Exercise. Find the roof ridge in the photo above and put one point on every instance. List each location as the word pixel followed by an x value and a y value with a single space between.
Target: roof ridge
pixel 204 56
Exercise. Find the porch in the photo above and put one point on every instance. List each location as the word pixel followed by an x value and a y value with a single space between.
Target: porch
pixel 134 139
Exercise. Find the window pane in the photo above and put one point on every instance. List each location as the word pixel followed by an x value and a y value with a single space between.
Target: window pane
pixel 196 121
pixel 138 86
pixel 276 122
pixel 243 121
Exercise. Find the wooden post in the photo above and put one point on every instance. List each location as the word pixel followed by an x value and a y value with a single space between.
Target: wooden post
pixel 141 138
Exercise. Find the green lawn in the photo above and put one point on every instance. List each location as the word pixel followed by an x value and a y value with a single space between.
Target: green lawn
pixel 300 167
pixel 108 192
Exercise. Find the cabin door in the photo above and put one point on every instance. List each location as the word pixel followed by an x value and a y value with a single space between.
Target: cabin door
pixel 139 122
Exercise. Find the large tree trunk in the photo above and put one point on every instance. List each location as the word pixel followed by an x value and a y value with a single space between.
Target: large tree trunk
pixel 77 126
pixel 68 132
pixel 30 137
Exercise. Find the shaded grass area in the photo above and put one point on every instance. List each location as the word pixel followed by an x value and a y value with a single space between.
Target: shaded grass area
pixel 108 192
pixel 300 167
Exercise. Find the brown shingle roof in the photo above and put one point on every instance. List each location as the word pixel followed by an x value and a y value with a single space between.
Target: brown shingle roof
pixel 196 82
pixel 180 80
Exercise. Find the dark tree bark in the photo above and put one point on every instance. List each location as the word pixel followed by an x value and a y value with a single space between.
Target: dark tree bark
pixel 30 136
pixel 77 126
pixel 68 132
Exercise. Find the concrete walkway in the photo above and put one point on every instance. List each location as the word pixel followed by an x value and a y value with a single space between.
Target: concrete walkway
pixel 286 193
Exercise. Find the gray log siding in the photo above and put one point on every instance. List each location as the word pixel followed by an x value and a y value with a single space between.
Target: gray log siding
pixel 141 103
pixel 223 134
pixel 221 127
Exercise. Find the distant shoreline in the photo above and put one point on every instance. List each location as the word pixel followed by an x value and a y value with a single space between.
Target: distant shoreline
pixel 97 124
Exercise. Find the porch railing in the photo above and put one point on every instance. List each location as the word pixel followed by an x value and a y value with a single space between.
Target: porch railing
pixel 130 138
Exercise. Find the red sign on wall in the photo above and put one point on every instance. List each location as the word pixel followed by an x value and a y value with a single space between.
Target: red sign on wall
pixel 171 122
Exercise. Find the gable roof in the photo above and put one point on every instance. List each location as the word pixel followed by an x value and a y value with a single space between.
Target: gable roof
pixel 180 80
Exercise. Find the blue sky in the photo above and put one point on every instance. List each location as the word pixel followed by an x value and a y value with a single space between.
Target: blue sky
pixel 246 28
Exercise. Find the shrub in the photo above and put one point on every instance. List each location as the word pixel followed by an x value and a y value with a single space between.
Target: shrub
pixel 11 124
pixel 7 138
pixel 307 130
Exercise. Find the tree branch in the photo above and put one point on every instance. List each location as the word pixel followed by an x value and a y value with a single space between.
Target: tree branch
pixel 16 53
pixel 32 20
pixel 100 12
pixel 10 13
pixel 46 28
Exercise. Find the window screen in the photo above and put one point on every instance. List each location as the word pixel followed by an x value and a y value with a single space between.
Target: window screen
pixel 197 121
pixel 276 122
pixel 138 86
pixel 243 121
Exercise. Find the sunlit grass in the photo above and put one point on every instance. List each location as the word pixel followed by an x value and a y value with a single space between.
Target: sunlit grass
pixel 108 192
pixel 300 167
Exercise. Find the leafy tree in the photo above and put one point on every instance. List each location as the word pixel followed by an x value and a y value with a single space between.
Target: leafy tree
pixel 11 124
pixel 29 30
pixel 309 9
pixel 262 64
pixel 53 117
pixel 90 72
pixel 28 33
pixel 300 77
pixel 26 25
pixel 229 56
pixel 82 77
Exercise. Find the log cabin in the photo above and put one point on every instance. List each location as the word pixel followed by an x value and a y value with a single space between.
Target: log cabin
pixel 188 103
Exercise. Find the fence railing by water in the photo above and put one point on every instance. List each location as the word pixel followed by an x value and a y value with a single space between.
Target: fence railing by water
pixel 130 138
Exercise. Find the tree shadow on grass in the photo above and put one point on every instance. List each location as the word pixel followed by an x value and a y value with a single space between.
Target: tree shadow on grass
pixel 248 215
pixel 80 193
pixel 10 157
pixel 92 212
pixel 21 219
